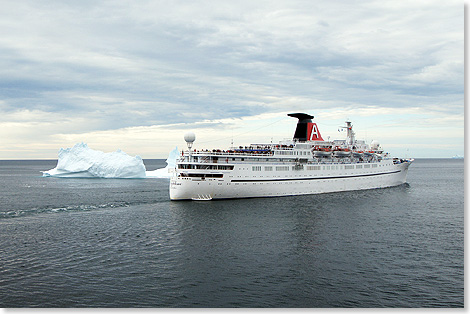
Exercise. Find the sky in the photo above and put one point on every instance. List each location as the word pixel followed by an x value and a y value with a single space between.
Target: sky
pixel 138 75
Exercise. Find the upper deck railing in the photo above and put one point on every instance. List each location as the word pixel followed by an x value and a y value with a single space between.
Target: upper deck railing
pixel 247 152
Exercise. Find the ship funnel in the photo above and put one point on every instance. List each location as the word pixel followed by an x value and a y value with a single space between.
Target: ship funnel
pixel 306 130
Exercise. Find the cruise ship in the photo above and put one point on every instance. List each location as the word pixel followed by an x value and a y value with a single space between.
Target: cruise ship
pixel 307 164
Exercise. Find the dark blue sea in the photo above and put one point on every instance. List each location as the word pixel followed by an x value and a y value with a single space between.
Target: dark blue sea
pixel 123 243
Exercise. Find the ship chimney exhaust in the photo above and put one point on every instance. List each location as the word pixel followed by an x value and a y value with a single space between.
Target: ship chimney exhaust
pixel 306 130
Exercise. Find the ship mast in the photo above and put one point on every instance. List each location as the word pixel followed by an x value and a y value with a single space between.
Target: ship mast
pixel 351 136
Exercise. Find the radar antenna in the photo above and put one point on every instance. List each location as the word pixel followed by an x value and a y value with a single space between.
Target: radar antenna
pixel 190 137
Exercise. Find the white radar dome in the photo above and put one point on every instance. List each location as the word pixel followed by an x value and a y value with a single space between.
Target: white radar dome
pixel 190 137
pixel 375 144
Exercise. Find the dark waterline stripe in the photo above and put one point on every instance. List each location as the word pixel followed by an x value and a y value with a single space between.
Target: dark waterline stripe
pixel 320 178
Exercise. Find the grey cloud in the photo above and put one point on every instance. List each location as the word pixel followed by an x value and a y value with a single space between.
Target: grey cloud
pixel 130 64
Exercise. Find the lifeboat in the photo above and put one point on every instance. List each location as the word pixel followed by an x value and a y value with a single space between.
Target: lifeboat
pixel 358 154
pixel 321 151
pixel 342 152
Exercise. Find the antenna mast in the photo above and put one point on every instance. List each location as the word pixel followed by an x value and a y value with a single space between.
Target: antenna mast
pixel 351 136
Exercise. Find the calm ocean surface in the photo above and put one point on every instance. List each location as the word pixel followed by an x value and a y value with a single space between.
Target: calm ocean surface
pixel 122 243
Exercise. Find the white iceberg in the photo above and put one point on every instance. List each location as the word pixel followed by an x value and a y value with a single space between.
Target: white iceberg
pixel 168 171
pixel 81 161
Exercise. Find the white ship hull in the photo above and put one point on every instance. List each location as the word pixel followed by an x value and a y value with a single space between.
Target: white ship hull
pixel 245 183
pixel 305 165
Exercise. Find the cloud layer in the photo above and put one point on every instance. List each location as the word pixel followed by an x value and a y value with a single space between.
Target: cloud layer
pixel 69 69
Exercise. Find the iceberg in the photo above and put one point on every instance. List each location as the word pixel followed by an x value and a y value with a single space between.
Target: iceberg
pixel 81 161
pixel 166 172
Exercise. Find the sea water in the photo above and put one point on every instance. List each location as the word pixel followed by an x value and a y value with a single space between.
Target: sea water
pixel 123 243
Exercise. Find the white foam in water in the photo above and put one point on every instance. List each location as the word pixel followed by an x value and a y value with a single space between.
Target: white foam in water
pixel 81 161
pixel 166 172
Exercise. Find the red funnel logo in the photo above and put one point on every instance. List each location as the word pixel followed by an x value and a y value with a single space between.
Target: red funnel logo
pixel 313 133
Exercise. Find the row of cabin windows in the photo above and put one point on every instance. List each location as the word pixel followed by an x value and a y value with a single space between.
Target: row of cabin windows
pixel 277 168
pixel 205 167
pixel 289 152
pixel 270 168
pixel 202 175
pixel 333 167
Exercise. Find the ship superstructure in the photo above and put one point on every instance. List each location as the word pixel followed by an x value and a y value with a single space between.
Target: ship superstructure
pixel 307 164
